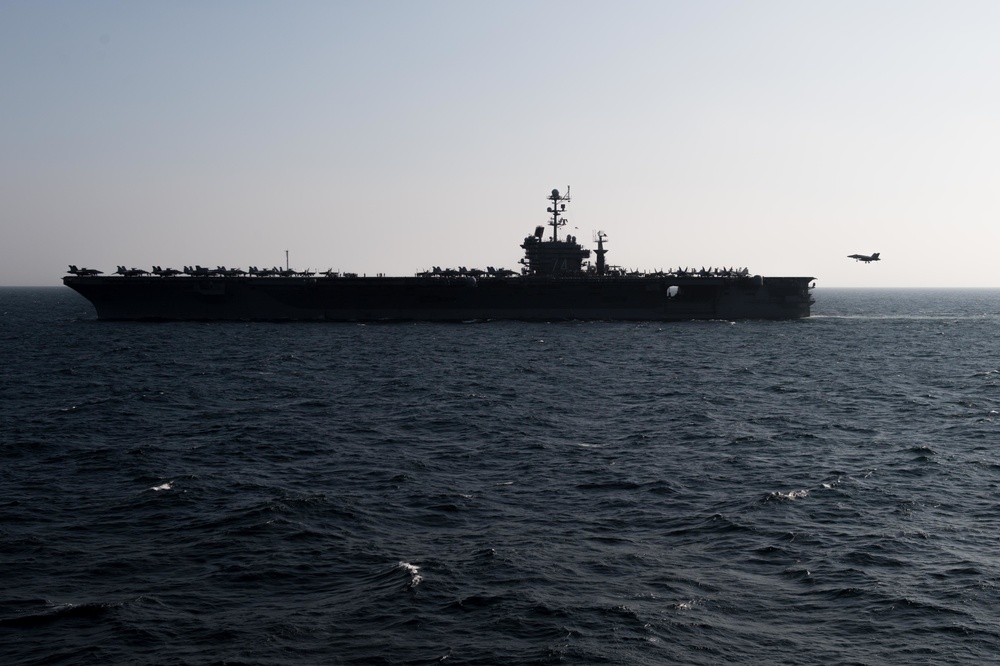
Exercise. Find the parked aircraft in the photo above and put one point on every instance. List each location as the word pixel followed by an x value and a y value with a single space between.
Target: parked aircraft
pixel 130 272
pixel 83 271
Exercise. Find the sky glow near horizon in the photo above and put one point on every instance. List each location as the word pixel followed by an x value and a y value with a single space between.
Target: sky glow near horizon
pixel 391 136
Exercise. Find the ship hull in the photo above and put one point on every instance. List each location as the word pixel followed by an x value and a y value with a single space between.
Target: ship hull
pixel 637 298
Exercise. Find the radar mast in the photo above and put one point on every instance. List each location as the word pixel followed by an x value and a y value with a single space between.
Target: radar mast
pixel 557 208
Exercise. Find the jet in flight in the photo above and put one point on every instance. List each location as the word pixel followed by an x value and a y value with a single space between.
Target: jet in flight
pixel 864 257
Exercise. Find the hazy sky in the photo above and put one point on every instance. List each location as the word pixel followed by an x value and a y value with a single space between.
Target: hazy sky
pixel 392 136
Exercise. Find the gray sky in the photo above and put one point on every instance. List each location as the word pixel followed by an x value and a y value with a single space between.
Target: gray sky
pixel 392 136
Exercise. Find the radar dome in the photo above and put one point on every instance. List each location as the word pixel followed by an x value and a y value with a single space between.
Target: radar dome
pixel 555 193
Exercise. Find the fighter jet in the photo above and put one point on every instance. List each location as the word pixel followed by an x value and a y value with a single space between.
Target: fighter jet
pixel 864 257
pixel 130 272
pixel 83 271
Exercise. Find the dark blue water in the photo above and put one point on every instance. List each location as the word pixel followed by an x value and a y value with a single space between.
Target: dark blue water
pixel 815 492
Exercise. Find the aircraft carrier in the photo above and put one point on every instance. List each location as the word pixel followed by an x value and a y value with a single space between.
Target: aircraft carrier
pixel 557 281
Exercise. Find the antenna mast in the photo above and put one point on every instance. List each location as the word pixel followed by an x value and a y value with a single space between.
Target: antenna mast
pixel 557 208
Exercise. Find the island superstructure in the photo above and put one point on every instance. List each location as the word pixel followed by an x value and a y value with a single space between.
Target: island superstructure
pixel 557 281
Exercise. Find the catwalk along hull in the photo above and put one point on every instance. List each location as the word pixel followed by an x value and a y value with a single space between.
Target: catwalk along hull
pixel 437 298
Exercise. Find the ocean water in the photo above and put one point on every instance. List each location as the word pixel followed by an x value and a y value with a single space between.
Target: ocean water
pixel 824 491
